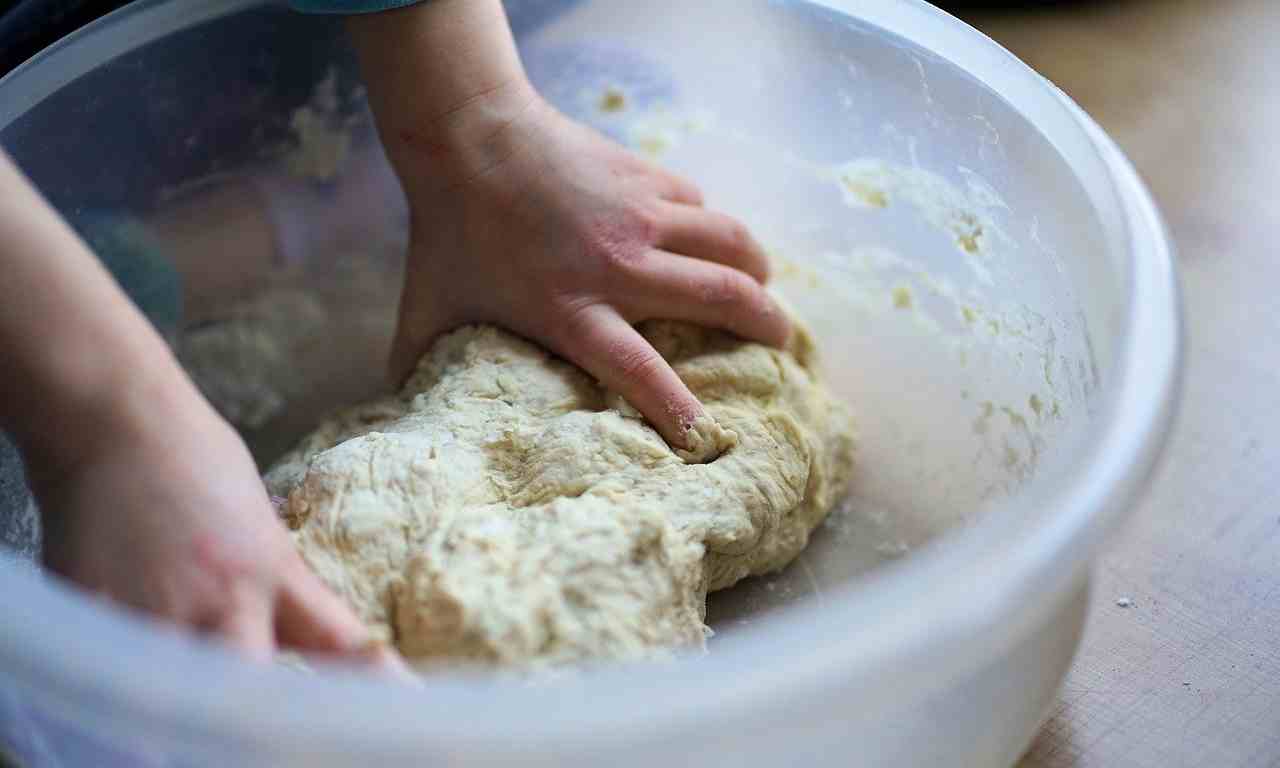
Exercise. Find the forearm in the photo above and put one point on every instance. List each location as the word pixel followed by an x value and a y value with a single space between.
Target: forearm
pixel 73 349
pixel 445 82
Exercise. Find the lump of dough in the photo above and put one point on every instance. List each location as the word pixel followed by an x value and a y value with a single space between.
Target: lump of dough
pixel 498 511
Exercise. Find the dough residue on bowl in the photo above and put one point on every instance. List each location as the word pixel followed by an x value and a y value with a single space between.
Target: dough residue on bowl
pixel 498 510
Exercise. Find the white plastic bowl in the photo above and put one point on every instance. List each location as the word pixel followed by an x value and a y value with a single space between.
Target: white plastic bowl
pixel 993 289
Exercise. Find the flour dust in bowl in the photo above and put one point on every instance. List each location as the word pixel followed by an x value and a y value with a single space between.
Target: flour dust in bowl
pixel 989 286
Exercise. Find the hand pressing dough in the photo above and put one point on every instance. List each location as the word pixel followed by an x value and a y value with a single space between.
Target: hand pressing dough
pixel 505 509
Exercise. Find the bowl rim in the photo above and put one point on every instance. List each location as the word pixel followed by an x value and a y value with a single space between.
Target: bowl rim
pixel 996 572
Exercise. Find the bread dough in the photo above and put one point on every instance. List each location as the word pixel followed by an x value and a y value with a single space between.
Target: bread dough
pixel 242 362
pixel 505 509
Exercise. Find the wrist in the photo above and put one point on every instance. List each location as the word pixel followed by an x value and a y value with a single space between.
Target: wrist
pixel 126 398
pixel 447 88
pixel 493 144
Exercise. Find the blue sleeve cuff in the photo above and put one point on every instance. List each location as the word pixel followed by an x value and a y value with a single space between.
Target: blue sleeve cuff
pixel 348 6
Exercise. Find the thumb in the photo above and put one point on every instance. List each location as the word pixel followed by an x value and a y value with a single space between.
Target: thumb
pixel 419 321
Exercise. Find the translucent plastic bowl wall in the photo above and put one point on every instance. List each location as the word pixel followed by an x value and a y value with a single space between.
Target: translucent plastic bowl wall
pixel 992 291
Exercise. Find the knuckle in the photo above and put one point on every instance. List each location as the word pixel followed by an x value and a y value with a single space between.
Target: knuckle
pixel 729 287
pixel 575 319
pixel 622 240
pixel 622 256
pixel 635 361
pixel 644 223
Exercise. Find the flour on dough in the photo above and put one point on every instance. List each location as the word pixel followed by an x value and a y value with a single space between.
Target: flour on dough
pixel 498 510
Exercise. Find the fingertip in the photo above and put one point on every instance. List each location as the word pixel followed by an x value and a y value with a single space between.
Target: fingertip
pixel 762 271
pixel 691 195
pixel 753 259
pixel 714 237
pixel 706 440
pixel 758 316
pixel 778 322
pixel 609 348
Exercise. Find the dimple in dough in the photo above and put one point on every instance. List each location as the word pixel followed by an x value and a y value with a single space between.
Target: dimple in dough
pixel 505 509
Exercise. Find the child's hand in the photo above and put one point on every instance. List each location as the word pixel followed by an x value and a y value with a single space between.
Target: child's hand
pixel 568 239
pixel 163 510
pixel 524 218
pixel 146 495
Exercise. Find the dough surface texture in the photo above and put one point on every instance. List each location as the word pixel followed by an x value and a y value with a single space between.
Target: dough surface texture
pixel 504 509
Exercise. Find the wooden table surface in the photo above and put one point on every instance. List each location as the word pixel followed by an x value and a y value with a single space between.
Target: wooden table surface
pixel 1189 675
